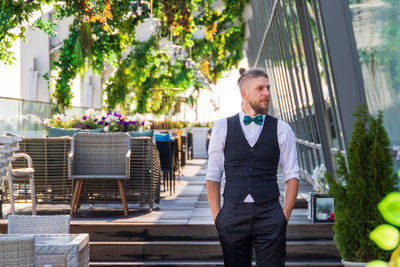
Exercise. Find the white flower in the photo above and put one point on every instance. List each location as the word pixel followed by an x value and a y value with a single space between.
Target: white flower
pixel 138 117
pixel 147 124
pixel 91 113
pixel 319 178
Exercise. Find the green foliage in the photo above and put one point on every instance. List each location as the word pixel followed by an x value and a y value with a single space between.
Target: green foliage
pixel 360 186
pixel 46 26
pixel 14 14
pixel 98 37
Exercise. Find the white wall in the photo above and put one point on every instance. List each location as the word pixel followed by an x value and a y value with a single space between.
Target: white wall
pixel 35 57
pixel 10 75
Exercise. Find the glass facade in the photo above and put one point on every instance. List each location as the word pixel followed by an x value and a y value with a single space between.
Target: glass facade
pixel 23 117
pixel 376 25
pixel 283 55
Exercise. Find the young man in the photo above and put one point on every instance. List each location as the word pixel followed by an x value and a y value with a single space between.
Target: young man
pixel 249 147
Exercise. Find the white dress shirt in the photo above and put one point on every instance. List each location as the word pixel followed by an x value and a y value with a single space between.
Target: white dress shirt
pixel 252 131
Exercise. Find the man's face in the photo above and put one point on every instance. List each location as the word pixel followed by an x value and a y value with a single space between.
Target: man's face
pixel 255 93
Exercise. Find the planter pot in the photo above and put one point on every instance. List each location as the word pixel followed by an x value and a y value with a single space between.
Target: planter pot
pixel 353 264
pixel 200 142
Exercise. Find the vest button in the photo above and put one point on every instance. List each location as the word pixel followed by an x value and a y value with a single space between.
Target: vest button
pixel 250 179
pixel 251 150
pixel 251 169
pixel 249 188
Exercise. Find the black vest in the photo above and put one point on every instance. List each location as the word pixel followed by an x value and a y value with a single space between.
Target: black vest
pixel 251 170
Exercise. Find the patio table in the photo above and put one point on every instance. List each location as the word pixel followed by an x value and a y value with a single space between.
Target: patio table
pixel 72 248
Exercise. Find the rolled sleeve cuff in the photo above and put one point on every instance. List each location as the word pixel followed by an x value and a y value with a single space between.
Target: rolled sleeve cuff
pixel 213 179
pixel 293 175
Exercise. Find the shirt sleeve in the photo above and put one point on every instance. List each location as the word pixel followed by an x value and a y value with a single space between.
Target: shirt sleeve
pixel 288 151
pixel 216 147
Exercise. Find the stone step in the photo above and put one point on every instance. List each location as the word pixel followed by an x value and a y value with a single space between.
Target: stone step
pixel 179 250
pixel 115 232
pixel 210 263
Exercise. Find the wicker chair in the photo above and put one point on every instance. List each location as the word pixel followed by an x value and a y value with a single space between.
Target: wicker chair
pixel 17 251
pixel 99 156
pixel 25 224
pixel 16 174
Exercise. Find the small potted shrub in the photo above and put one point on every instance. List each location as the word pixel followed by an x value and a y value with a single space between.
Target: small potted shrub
pixel 360 185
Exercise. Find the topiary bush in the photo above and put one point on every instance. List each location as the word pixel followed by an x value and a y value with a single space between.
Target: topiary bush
pixel 360 185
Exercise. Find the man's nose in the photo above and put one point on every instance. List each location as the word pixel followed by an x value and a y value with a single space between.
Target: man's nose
pixel 265 92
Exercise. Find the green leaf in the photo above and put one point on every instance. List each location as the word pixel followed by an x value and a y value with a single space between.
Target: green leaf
pixel 385 236
pixel 390 208
pixel 398 172
pixel 377 264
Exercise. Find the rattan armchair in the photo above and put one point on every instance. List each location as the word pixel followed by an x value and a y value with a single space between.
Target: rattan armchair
pixel 17 250
pixel 12 175
pixel 99 156
pixel 47 224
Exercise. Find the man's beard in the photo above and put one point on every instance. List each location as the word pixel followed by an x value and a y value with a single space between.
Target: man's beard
pixel 258 108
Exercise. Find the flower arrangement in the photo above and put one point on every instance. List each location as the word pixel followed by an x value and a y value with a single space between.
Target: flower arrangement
pixel 319 178
pixel 203 124
pixel 169 124
pixel 110 122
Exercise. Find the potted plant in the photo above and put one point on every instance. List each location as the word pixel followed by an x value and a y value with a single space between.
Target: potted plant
pixel 360 185
pixel 320 203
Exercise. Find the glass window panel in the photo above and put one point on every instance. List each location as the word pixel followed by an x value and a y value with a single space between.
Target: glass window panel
pixel 377 33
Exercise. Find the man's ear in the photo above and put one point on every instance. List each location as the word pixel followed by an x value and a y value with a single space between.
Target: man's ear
pixel 243 92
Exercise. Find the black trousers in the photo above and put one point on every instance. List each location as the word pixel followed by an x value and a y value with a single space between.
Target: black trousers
pixel 244 226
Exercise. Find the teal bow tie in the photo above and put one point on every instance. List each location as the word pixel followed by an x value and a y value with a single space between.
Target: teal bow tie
pixel 257 119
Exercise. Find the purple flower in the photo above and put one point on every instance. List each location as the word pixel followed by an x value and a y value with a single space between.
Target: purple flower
pixel 80 126
pixel 100 122
pixel 142 123
pixel 95 120
pixel 87 126
pixel 103 118
pixel 117 115
pixel 106 124
pixel 84 118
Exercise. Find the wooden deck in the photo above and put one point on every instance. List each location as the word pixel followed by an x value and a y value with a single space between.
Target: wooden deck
pixel 181 231
pixel 187 206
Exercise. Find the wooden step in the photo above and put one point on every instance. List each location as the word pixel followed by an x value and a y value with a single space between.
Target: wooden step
pixel 211 263
pixel 189 232
pixel 161 250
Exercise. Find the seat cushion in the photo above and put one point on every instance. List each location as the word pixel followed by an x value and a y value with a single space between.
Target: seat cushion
pixel 163 137
pixel 148 133
pixel 58 132
pixel 23 172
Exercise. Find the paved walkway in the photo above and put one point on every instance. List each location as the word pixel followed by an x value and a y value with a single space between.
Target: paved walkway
pixel 187 206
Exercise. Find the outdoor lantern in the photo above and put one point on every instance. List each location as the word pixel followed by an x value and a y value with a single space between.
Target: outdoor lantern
pixel 148 27
pixel 200 32
pixel 139 6
pixel 189 63
pixel 180 53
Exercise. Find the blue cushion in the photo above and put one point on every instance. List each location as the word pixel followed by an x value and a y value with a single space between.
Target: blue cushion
pixel 58 132
pixel 148 133
pixel 162 137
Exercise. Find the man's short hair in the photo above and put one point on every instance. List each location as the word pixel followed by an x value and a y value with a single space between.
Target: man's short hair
pixel 250 73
